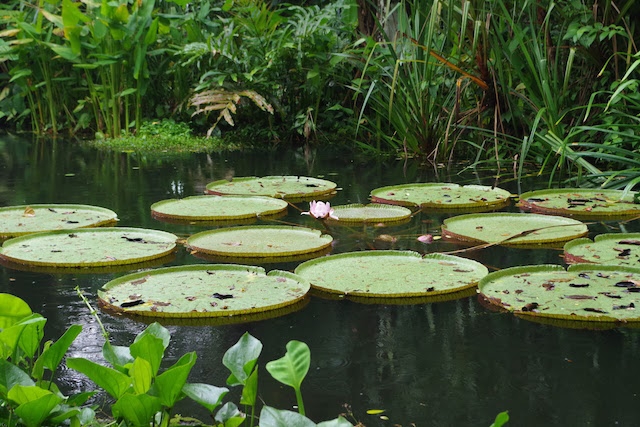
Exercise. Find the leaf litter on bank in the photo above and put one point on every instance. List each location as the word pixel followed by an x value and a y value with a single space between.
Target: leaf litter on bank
pixel 203 290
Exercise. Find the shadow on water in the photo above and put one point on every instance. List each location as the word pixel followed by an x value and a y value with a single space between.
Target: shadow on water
pixel 452 363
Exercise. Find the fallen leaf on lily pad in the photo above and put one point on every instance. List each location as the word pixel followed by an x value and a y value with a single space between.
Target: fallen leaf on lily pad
pixel 202 290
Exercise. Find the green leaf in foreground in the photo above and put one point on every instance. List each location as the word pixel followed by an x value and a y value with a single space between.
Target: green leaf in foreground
pixel 13 309
pixel 292 368
pixel 391 274
pixel 582 292
pixel 512 228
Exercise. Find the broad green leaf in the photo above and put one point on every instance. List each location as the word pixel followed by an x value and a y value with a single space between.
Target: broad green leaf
pixel 512 228
pixel 229 415
pixel 35 403
pixel 203 290
pixel 272 417
pixel 118 356
pixel 584 292
pixel 581 202
pixel 291 188
pixel 12 309
pixel 25 335
pixel 292 368
pixel 442 196
pixel 250 390
pixel 10 376
pixel 372 213
pixel 241 358
pixel 61 413
pixel 206 395
pixel 391 274
pixel 217 208
pixel 337 422
pixel 168 385
pixel 141 373
pixel 155 329
pixel 52 356
pixel 112 381
pixel 86 247
pixel 611 248
pixel 501 419
pixel 137 410
pixel 259 241
pixel 151 349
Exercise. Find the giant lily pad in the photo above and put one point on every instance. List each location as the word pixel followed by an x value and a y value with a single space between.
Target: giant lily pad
pixel 387 274
pixel 282 187
pixel 512 228
pixel 581 202
pixel 89 247
pixel 371 213
pixel 610 248
pixel 259 241
pixel 442 196
pixel 20 220
pixel 203 290
pixel 217 208
pixel 583 292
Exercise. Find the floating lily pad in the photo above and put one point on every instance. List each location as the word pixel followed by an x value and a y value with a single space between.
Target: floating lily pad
pixel 21 220
pixel 442 196
pixel 512 228
pixel 89 247
pixel 391 274
pixel 217 208
pixel 371 213
pixel 610 248
pixel 580 202
pixel 203 291
pixel 259 241
pixel 282 187
pixel 602 293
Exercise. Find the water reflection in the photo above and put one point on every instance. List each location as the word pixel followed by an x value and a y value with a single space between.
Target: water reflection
pixel 451 363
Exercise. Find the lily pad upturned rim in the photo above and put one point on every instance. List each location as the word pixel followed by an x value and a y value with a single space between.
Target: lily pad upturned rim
pixel 573 244
pixel 325 241
pixel 530 270
pixel 265 206
pixel 103 293
pixel 169 240
pixel 533 206
pixel 519 241
pixel 325 187
pixel 108 217
pixel 303 270
pixel 502 196
pixel 398 213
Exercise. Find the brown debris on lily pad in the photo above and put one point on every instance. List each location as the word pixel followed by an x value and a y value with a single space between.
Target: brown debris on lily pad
pixel 202 291
pixel 600 293
pixel 447 196
pixel 581 202
pixel 290 188
pixel 20 220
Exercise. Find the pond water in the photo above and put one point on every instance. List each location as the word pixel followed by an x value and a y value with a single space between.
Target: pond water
pixel 452 363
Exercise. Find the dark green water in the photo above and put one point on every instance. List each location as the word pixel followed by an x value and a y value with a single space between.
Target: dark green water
pixel 443 364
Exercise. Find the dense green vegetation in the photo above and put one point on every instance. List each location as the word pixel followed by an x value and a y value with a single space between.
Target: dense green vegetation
pixel 551 83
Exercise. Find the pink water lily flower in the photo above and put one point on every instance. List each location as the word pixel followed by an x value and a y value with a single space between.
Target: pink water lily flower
pixel 320 210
